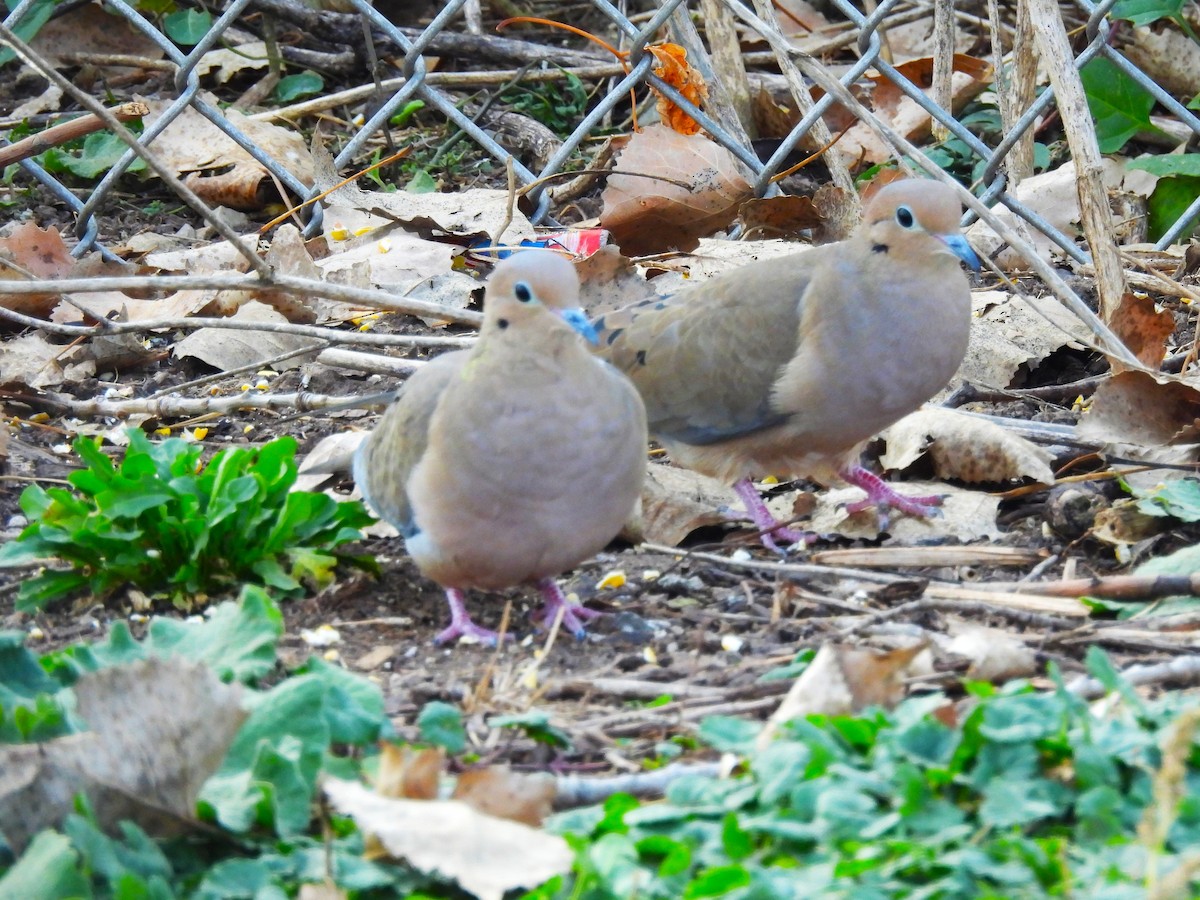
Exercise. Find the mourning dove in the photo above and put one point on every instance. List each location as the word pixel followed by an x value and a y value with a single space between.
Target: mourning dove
pixel 515 460
pixel 788 366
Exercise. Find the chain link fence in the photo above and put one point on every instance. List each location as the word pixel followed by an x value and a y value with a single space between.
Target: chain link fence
pixel 418 81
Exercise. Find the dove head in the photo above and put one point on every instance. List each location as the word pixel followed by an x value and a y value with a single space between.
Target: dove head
pixel 532 285
pixel 905 215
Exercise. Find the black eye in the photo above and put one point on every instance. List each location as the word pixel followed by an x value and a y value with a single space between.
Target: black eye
pixel 905 217
pixel 523 292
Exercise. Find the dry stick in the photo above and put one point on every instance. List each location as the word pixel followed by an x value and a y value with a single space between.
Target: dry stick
pixel 181 407
pixel 68 131
pixel 1112 344
pixel 804 102
pixel 369 362
pixel 727 59
pixel 35 61
pixel 943 62
pixel 1182 668
pixel 1050 36
pixel 276 283
pixel 973 607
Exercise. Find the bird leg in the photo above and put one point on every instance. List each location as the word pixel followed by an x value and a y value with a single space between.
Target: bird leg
pixel 574 614
pixel 884 497
pixel 768 526
pixel 461 624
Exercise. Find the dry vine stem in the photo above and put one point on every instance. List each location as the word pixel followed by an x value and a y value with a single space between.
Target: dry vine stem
pixel 68 131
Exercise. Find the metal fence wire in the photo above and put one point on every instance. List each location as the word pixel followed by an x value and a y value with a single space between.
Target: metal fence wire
pixel 631 31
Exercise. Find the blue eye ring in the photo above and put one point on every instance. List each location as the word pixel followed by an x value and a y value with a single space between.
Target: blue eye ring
pixel 523 292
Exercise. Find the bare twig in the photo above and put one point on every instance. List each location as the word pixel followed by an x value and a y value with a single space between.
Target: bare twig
pixel 68 131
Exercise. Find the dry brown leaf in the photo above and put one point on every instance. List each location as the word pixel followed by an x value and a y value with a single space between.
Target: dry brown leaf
pixel 498 791
pixel 712 257
pixel 674 69
pixel 94 30
pixel 798 18
pixel 37 253
pixel 843 679
pixel 995 655
pixel 1170 57
pixel 1135 408
pixel 964 515
pixel 487 856
pixel 229 61
pixel 33 361
pixel 217 168
pixel 1124 524
pixel 224 349
pixel 1143 327
pixel 970 78
pixel 1011 336
pixel 778 217
pixel 159 729
pixel 965 447
pixel 676 502
pixel 647 215
pixel 1138 417
pixel 608 281
pixel 405 773
pixel 1054 196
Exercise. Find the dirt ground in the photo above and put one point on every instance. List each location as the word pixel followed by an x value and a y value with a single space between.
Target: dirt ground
pixel 684 637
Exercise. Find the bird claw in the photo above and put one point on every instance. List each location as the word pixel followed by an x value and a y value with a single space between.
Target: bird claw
pixel 574 615
pixel 470 630
pixel 461 625
pixel 885 498
pixel 768 528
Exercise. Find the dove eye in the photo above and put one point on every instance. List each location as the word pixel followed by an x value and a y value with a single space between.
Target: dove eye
pixel 523 292
pixel 905 217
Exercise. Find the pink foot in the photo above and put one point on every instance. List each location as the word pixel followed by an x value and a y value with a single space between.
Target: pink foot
pixel 574 614
pixel 769 528
pixel 885 498
pixel 461 625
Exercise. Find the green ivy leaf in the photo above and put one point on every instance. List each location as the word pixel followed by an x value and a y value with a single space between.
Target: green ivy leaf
pixel 441 725
pixel 47 870
pixel 302 84
pixel 1145 12
pixel 188 26
pixel 1120 106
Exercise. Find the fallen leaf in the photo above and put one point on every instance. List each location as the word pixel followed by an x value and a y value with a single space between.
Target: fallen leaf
pixel 778 217
pixel 158 729
pixel 1143 328
pixel 964 515
pixel 487 856
pixel 652 214
pixel 965 448
pixel 35 253
pixel 676 502
pixel 1052 195
pixel 216 167
pixel 995 655
pixel 409 774
pixel 842 680
pixel 1139 417
pixel 224 349
pixel 1011 336
pixel 498 791
pixel 608 281
pixel 229 61
pixel 674 69
pixel 33 361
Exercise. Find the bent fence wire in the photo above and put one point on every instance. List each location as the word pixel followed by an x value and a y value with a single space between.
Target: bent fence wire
pixel 416 83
